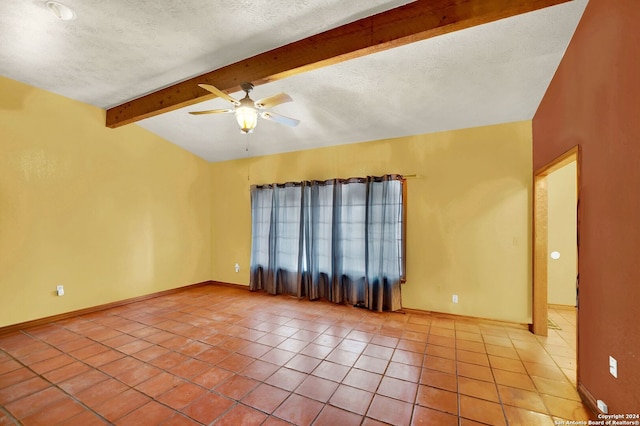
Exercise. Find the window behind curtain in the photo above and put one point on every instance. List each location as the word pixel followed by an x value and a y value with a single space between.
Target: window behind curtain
pixel 338 239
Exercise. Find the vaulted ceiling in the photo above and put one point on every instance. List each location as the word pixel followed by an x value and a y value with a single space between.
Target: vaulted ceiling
pixel 117 51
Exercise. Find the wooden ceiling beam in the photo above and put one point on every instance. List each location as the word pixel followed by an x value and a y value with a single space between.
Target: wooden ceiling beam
pixel 406 24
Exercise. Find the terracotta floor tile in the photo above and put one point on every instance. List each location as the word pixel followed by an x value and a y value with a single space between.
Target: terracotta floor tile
pixel 415 335
pixel 236 387
pixel 398 389
pixel 203 349
pixel 428 417
pixel 362 379
pixel 37 401
pixel 390 410
pixel 390 342
pixel 332 416
pixel 134 346
pixel 211 377
pixel 104 357
pixel 272 340
pixel 286 378
pixel 565 408
pixel 497 341
pixel 543 370
pixel 507 364
pixel 439 331
pixel 478 389
pixel 97 394
pixel 316 350
pixel 472 357
pixel 330 371
pixel 31 358
pixel 120 340
pixel 469 336
pixel 352 346
pixel 208 407
pixel 298 410
pixel 407 357
pixel 441 364
pixel 303 363
pixel 82 381
pixel 406 372
pixel 122 404
pixel 149 414
pixel 521 398
pixel 438 399
pixel 475 371
pixel 189 368
pixel 411 346
pixel 537 355
pixel 121 365
pixel 481 410
pixel 449 342
pixel 561 389
pixel 515 380
pixel 523 417
pixel 371 364
pixel 150 353
pixel 170 360
pixel 54 413
pixel 8 365
pixel 242 415
pixel 181 395
pixel 266 398
pixel 211 356
pixel 502 351
pixel 259 370
pixel 66 372
pixel 317 388
pixel 254 350
pixel 351 399
pixel 328 340
pixel 441 351
pixel 277 356
pixel 51 363
pixel 439 379
pixel 85 418
pixel 159 384
pixel 343 357
pixel 138 375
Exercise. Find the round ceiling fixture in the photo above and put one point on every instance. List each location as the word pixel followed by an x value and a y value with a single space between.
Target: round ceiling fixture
pixel 61 11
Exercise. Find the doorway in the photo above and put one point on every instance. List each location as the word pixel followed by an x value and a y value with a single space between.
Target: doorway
pixel 541 254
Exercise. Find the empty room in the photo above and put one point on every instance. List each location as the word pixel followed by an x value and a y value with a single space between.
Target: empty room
pixel 321 212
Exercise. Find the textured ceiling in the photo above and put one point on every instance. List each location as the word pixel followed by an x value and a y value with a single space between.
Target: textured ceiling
pixel 118 50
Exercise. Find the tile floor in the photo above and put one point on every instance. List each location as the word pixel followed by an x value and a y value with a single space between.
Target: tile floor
pixel 224 356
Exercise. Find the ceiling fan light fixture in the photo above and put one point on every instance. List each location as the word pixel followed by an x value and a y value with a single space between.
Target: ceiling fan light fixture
pixel 61 11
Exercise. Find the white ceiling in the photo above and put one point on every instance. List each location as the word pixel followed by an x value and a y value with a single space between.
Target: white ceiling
pixel 118 50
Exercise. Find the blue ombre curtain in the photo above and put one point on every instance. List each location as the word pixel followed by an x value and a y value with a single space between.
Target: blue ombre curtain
pixel 339 240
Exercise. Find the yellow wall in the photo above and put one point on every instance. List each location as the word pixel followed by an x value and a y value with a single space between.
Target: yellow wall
pixel 109 214
pixel 562 223
pixel 468 213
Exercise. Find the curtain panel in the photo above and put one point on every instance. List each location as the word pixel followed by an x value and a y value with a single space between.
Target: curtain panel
pixel 339 239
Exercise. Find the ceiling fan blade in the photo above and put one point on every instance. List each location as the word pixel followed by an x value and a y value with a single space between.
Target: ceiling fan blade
pixel 212 111
pixel 272 101
pixel 219 93
pixel 268 115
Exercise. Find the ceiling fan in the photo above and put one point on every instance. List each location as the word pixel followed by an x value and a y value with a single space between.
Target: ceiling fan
pixel 247 110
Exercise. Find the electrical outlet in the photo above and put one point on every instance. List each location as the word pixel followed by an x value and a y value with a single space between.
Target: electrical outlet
pixel 454 298
pixel 60 290
pixel 237 267
pixel 613 367
pixel 602 406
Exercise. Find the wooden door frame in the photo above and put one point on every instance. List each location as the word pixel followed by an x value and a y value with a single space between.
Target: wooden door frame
pixel 540 313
